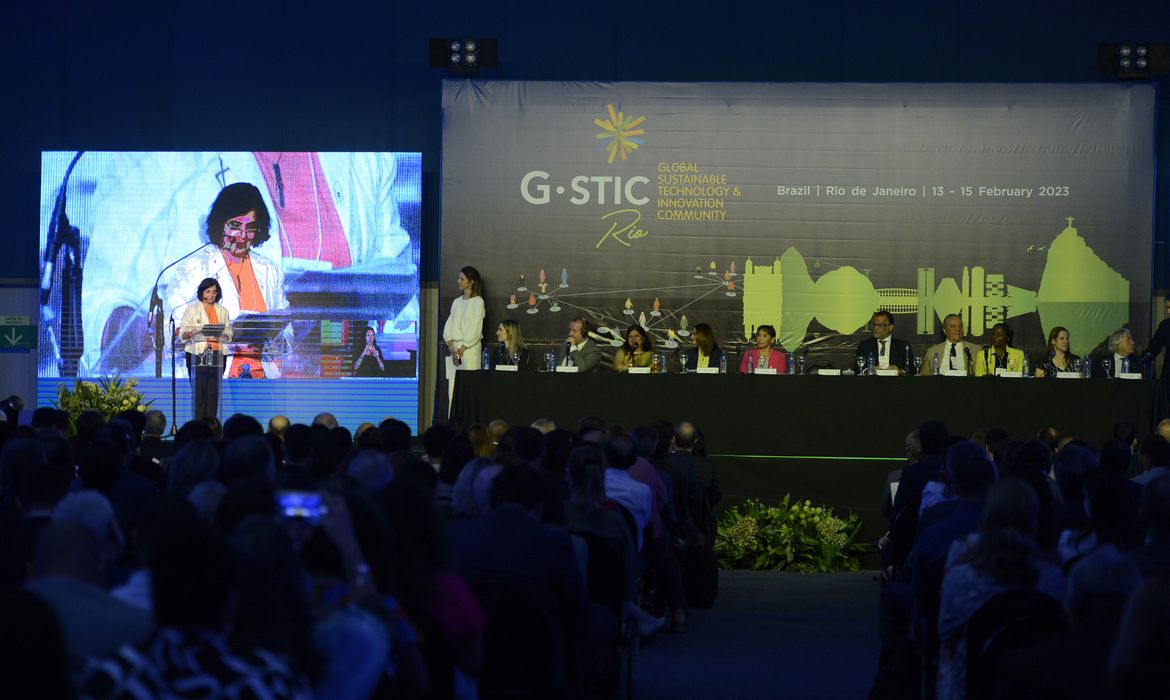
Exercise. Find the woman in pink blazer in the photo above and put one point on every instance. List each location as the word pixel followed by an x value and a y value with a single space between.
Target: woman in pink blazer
pixel 771 357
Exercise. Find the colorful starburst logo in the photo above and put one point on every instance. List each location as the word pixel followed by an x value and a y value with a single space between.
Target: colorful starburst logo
pixel 619 135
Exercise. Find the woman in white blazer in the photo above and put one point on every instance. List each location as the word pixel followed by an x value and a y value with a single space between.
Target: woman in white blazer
pixel 205 310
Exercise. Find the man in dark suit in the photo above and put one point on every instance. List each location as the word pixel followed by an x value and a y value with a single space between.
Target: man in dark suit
pixel 886 350
pixel 583 352
pixel 153 450
pixel 1160 340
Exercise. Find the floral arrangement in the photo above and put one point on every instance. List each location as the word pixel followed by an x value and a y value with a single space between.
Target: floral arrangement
pixel 107 396
pixel 790 536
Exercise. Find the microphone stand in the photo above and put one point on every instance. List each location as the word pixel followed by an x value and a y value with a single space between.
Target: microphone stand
pixel 174 390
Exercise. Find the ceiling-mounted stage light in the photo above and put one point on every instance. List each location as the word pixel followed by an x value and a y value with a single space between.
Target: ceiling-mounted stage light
pixel 463 55
pixel 1133 60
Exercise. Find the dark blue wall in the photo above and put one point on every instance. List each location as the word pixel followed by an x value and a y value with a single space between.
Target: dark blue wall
pixel 294 75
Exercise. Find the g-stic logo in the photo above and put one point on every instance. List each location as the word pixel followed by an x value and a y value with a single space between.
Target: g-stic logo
pixel 619 134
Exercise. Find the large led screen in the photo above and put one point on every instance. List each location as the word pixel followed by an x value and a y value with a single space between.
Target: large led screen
pixel 314 252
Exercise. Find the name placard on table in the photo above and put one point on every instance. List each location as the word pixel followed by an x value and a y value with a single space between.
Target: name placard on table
pixel 948 372
pixel 1130 375
pixel 1001 372
pixel 639 370
pixel 1068 375
pixel 707 370
pixel 507 368
pixel 886 372
pixel 571 369
pixel 766 370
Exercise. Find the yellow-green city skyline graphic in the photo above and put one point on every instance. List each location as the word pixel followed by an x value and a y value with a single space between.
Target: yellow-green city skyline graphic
pixel 1078 290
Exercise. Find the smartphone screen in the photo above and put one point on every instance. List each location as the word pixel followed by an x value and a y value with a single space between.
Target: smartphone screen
pixel 301 504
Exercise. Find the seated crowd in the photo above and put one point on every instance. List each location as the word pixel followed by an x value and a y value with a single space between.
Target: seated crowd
pixel 306 561
pixel 1026 569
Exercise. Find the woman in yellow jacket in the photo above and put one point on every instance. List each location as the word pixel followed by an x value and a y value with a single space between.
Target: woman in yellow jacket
pixel 1000 355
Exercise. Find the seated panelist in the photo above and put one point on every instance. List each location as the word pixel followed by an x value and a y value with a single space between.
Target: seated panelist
pixel 512 350
pixel 1057 358
pixel 1000 354
pixel 635 352
pixel 764 355
pixel 705 352
pixel 886 350
pixel 953 353
pixel 1121 347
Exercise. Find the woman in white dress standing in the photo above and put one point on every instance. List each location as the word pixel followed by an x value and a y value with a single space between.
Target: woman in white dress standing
pixel 463 331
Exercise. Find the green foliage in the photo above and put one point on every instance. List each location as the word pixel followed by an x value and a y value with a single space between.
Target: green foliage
pixel 107 396
pixel 787 537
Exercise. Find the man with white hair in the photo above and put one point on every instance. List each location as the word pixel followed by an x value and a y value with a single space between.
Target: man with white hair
pixel 544 425
pixel 69 564
pixel 326 419
pixel 1121 347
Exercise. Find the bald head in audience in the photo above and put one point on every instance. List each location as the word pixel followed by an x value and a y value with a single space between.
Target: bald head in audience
pixel 277 425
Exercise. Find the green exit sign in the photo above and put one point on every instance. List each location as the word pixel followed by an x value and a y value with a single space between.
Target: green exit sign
pixel 17 337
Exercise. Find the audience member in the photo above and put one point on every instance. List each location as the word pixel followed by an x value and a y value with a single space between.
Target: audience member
pixel 33 656
pixel 248 456
pixel 193 573
pixel 396 436
pixel 325 419
pixel 69 568
pixel 481 440
pixel 1002 556
pixel 1154 459
pixel 193 464
pixel 1153 556
pixel 238 425
pixel 371 469
pixel 510 546
pixel 1073 666
pixel 544 425
pixel 622 488
pixel 1137 664
pixel 277 425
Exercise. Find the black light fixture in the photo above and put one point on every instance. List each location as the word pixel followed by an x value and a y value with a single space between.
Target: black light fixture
pixel 464 54
pixel 1133 60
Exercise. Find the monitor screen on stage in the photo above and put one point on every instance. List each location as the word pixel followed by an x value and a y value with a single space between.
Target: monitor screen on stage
pixel 314 255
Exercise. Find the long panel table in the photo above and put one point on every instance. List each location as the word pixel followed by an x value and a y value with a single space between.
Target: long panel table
pixel 809 415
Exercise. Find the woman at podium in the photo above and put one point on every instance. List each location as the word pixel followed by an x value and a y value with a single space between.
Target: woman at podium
pixel 205 352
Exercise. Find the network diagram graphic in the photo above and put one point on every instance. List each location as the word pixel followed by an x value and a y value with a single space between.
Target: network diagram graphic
pixel 667 326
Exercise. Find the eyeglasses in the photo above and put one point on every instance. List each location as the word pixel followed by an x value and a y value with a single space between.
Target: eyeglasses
pixel 236 226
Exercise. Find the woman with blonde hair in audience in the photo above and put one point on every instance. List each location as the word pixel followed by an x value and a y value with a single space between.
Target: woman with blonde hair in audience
pixel 481 440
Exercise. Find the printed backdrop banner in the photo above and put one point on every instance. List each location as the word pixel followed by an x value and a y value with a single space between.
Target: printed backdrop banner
pixel 802 206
